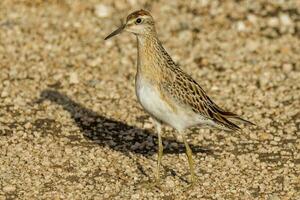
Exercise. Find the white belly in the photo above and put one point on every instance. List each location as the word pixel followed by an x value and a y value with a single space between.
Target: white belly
pixel 174 115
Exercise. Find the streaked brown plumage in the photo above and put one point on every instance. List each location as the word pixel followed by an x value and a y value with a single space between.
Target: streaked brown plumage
pixel 167 93
pixel 186 90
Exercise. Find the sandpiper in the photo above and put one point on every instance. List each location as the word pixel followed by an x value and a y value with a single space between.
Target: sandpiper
pixel 167 93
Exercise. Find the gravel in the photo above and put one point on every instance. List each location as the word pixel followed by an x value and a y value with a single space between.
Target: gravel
pixel 70 125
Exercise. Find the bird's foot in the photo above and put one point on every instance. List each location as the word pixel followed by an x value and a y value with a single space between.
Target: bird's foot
pixel 151 184
pixel 192 183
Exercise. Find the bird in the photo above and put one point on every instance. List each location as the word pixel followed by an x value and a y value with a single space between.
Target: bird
pixel 168 94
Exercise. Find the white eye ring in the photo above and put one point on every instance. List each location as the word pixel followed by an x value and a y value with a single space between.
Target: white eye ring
pixel 138 20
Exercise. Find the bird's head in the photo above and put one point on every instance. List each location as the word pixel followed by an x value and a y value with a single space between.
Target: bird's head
pixel 139 22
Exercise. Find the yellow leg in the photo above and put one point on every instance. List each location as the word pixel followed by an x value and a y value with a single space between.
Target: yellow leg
pixel 190 159
pixel 160 151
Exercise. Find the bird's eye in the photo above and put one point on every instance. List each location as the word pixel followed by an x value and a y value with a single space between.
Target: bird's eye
pixel 138 20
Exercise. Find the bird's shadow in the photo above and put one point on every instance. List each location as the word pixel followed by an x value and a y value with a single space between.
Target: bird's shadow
pixel 112 133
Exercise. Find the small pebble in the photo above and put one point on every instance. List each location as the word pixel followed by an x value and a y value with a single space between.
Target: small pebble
pixel 102 10
pixel 241 26
pixel 287 67
pixel 285 19
pixel 273 22
pixel 274 197
pixel 9 188
pixel 277 139
pixel 74 78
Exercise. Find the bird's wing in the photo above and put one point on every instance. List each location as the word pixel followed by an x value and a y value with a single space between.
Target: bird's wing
pixel 184 89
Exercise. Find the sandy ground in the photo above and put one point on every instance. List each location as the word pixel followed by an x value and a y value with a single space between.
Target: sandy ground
pixel 71 127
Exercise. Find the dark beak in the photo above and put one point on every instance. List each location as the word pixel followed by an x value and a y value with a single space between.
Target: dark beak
pixel 116 32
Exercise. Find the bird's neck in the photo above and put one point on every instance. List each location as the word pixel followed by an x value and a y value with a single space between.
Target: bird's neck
pixel 148 47
pixel 152 57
